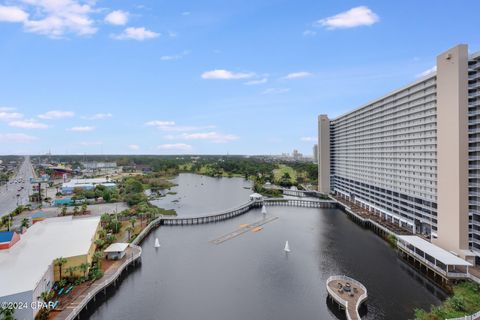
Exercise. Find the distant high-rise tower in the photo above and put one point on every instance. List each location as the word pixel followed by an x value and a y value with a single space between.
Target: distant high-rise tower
pixel 315 153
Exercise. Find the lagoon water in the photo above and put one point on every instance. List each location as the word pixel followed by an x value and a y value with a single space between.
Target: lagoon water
pixel 250 276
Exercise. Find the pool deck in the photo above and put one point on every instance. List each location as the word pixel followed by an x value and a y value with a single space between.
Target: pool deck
pixel 349 300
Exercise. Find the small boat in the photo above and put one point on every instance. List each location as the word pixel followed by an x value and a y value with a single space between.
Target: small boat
pixel 287 247
pixel 157 243
pixel 264 209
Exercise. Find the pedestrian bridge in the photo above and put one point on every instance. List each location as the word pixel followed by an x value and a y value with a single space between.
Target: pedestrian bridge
pixel 216 217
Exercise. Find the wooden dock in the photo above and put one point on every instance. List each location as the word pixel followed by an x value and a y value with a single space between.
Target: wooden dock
pixel 243 229
pixel 348 293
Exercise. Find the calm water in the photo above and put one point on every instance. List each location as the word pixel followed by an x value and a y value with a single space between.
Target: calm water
pixel 250 277
pixel 198 195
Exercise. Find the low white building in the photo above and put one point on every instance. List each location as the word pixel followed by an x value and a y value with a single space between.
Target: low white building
pixel 27 269
pixel 116 251
pixel 85 184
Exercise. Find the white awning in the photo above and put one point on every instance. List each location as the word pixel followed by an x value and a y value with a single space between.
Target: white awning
pixel 116 247
pixel 436 252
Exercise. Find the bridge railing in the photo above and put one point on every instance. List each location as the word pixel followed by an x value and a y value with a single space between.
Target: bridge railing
pixel 470 317
pixel 106 282
pixel 342 301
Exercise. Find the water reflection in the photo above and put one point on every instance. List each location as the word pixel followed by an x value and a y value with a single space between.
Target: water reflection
pixel 250 277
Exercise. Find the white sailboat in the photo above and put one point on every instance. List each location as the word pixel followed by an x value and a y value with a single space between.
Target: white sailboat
pixel 157 243
pixel 287 247
pixel 264 209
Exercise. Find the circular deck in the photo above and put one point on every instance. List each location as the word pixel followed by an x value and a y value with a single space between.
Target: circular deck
pixel 347 292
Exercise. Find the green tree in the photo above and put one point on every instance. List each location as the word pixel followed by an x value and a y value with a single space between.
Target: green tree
pixel 7 313
pixel 132 221
pixel 107 196
pixel 75 210
pixel 60 262
pixel 84 268
pixel 64 210
pixel 71 270
pixel 25 223
pixel 105 219
pixel 84 208
pixel 129 229
pixel 47 295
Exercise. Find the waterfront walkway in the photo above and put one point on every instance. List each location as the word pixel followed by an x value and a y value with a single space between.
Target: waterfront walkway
pixel 348 293
pixel 367 215
pixel 73 309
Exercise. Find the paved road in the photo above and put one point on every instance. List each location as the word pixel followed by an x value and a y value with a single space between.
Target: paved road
pixel 8 192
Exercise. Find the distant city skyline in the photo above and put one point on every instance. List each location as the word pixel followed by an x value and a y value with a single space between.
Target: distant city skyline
pixel 149 77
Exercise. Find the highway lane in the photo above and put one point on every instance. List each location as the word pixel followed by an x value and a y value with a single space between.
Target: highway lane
pixel 9 192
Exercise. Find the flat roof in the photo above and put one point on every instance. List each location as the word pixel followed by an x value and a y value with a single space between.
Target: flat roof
pixel 402 88
pixel 436 252
pixel 23 265
pixel 116 247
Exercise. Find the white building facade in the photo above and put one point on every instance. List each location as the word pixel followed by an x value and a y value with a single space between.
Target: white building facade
pixel 413 155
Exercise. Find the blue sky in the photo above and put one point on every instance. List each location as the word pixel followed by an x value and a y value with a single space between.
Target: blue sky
pixel 206 77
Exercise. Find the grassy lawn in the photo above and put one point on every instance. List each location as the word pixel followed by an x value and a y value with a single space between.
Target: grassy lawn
pixel 282 169
pixel 465 301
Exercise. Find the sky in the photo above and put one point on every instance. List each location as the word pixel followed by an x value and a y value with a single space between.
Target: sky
pixel 206 77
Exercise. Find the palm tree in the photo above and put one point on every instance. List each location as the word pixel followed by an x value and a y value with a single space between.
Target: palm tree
pixel 132 221
pixel 102 233
pixel 60 262
pixel 75 210
pixel 97 259
pixel 105 219
pixel 84 268
pixel 71 270
pixel 129 229
pixel 25 223
pixel 64 210
pixel 47 295
pixel 84 208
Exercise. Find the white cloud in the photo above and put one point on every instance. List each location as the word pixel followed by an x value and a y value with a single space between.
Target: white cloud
pixel 134 147
pixel 16 138
pixel 175 146
pixel 210 136
pixel 226 75
pixel 98 116
pixel 56 114
pixel 91 143
pixel 117 18
pixel 56 18
pixel 170 126
pixel 297 75
pixel 8 114
pixel 276 90
pixel 256 82
pixel 309 139
pixel 81 129
pixel 160 124
pixel 355 17
pixel 12 14
pixel 138 34
pixel 175 56
pixel 27 124
pixel 172 34
pixel 309 33
pixel 186 13
pixel 427 72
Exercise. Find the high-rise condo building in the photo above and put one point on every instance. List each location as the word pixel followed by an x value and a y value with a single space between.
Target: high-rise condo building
pixel 413 155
